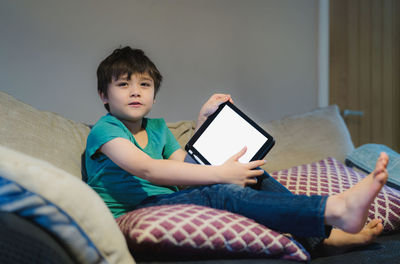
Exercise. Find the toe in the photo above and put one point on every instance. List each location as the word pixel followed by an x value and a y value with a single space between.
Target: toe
pixel 384 158
pixel 378 229
pixel 373 223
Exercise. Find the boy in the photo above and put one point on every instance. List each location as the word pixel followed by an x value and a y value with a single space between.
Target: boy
pixel 134 162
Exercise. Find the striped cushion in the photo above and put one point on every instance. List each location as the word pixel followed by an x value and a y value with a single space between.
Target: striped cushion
pixel 329 176
pixel 63 205
pixel 191 231
pixel 16 199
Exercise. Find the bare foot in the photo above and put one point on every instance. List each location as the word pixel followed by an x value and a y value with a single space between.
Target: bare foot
pixel 340 241
pixel 349 210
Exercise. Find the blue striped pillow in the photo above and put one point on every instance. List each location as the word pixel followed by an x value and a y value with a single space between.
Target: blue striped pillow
pixel 16 199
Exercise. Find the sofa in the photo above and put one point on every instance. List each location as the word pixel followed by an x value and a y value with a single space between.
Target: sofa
pixel 49 215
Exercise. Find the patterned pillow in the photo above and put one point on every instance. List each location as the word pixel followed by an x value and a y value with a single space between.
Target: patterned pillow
pixel 183 231
pixel 329 176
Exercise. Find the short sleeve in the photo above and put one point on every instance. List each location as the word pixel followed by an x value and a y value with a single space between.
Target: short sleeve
pixel 106 129
pixel 171 144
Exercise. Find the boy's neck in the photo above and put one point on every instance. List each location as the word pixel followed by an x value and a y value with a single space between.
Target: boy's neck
pixel 134 127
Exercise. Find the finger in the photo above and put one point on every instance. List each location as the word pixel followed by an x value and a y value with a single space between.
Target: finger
pixel 228 98
pixel 251 181
pixel 255 173
pixel 256 163
pixel 223 98
pixel 217 100
pixel 237 156
pixel 218 97
pixel 241 183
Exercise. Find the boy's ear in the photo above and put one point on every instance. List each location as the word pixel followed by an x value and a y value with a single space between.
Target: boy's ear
pixel 104 98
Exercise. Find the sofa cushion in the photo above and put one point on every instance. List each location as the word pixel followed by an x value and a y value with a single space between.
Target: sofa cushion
pixel 191 231
pixel 364 158
pixel 63 205
pixel 183 131
pixel 41 134
pixel 309 137
pixel 329 176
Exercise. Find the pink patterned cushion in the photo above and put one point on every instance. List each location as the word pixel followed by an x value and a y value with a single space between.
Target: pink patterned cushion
pixel 198 231
pixel 329 176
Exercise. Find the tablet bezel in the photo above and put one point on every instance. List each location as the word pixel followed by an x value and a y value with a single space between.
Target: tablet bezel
pixel 261 153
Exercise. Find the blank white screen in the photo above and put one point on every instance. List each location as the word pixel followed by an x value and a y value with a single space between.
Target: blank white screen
pixel 226 136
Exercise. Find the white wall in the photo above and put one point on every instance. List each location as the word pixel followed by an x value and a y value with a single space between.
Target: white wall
pixel 262 52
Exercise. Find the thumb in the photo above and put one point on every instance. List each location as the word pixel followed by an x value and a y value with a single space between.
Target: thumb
pixel 238 155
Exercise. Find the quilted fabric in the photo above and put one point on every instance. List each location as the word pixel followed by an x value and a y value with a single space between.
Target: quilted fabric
pixel 329 176
pixel 191 230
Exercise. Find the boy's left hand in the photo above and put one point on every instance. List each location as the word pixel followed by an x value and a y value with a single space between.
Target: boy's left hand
pixel 211 106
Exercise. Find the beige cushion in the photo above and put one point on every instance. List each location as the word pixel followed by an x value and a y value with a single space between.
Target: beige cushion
pixel 72 196
pixel 182 131
pixel 41 134
pixel 309 137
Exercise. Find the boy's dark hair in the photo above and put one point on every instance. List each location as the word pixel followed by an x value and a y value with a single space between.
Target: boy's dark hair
pixel 125 61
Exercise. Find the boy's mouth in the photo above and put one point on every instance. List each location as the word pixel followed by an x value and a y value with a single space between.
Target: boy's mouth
pixel 135 104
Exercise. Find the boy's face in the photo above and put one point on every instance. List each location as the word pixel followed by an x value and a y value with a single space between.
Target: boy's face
pixel 130 99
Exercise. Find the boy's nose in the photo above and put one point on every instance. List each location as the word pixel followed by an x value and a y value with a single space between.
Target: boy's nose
pixel 135 91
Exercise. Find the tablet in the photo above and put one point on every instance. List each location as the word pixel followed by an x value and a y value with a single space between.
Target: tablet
pixel 224 134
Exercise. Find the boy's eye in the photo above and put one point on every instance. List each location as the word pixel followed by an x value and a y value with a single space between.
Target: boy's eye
pixel 145 84
pixel 122 84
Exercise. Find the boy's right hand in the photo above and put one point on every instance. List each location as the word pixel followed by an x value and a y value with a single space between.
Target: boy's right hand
pixel 242 174
pixel 211 106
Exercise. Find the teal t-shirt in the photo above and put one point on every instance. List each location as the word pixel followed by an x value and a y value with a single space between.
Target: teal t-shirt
pixel 120 190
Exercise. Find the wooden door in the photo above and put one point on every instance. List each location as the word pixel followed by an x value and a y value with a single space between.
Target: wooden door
pixel 364 68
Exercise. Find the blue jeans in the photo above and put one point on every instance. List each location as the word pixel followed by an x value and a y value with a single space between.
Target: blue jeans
pixel 273 206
